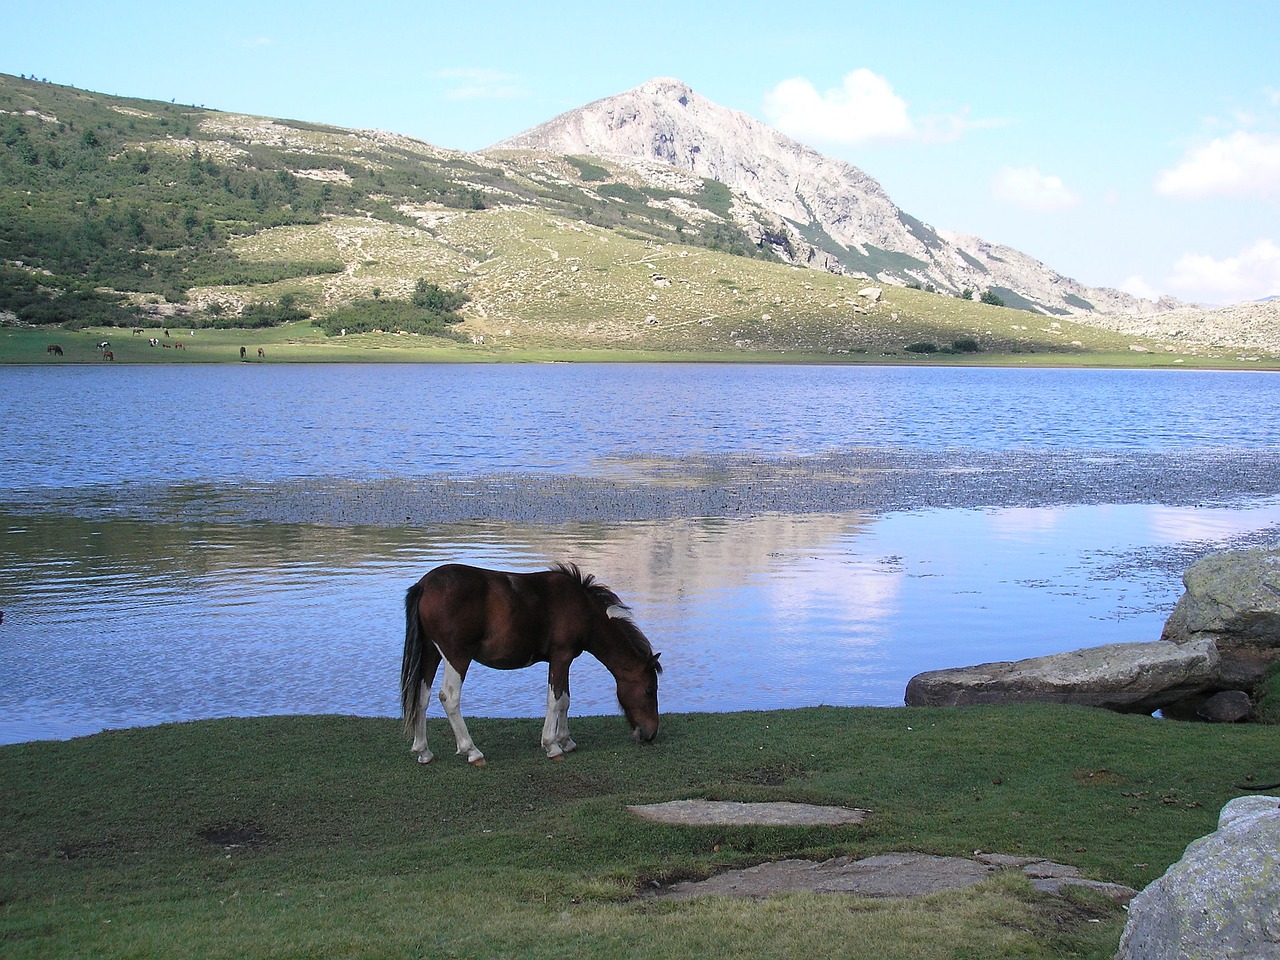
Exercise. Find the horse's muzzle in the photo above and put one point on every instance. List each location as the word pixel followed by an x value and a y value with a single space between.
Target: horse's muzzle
pixel 644 734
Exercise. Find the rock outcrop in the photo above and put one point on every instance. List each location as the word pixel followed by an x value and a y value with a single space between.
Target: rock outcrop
pixel 1232 598
pixel 1221 900
pixel 1220 641
pixel 1126 677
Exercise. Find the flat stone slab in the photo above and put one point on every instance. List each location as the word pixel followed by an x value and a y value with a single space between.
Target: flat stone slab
pixel 886 875
pixel 721 813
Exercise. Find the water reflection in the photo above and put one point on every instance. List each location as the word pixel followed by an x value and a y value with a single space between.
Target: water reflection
pixel 116 622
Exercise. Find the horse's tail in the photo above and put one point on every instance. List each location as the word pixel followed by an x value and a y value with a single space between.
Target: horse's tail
pixel 411 664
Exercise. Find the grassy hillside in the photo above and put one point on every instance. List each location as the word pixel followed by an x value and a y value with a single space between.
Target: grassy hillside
pixel 141 214
pixel 320 836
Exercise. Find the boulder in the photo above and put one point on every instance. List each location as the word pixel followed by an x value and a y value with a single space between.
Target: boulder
pixel 1232 598
pixel 1127 677
pixel 1221 900
pixel 871 293
pixel 1229 706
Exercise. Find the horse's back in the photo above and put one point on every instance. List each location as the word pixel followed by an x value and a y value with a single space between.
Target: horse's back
pixel 503 620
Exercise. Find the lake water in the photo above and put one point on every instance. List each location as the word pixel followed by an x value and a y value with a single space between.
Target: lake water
pixel 115 615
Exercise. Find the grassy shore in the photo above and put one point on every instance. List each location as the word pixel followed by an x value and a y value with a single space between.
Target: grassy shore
pixel 302 343
pixel 319 836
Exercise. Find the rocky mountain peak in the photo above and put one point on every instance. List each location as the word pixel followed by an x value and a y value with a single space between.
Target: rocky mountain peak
pixel 833 214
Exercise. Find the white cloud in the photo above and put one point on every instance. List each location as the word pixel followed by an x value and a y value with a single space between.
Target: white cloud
pixel 1138 287
pixel 1251 274
pixel 480 84
pixel 863 108
pixel 1241 164
pixel 1028 188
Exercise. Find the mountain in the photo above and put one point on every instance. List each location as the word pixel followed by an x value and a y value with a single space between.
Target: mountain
pixel 614 235
pixel 810 209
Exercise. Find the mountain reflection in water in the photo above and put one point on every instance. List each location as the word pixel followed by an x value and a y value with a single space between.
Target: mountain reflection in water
pixel 117 622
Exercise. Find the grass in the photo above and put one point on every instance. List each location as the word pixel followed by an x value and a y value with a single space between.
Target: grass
pixel 306 836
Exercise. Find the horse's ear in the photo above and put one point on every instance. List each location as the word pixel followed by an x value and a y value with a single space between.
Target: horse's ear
pixel 653 662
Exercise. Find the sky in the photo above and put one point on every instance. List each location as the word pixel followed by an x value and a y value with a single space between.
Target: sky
pixel 1125 144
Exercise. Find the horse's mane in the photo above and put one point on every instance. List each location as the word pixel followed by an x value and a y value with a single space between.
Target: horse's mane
pixel 607 599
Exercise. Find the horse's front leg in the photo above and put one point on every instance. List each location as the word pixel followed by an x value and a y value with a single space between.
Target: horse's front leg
pixel 555 731
pixel 450 699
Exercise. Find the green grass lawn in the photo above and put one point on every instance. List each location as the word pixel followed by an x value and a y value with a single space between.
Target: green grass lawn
pixel 319 836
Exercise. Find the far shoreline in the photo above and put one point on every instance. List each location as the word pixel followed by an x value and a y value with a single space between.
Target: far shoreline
pixel 301 344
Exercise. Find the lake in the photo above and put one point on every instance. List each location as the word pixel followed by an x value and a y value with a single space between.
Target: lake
pixel 187 542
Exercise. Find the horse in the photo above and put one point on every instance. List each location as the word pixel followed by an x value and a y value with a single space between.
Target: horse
pixel 262 354
pixel 54 349
pixel 108 355
pixel 507 621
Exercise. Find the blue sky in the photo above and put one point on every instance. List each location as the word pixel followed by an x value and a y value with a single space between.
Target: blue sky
pixel 1125 144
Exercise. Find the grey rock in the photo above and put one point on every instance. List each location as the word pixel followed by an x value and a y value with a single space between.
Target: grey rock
pixel 1221 900
pixel 1126 677
pixel 1230 706
pixel 887 875
pixel 1059 885
pixel 1232 597
pixel 906 874
pixel 726 813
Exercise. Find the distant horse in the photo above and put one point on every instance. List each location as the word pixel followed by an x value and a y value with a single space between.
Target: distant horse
pixel 262 354
pixel 54 349
pixel 243 351
pixel 513 620
pixel 108 355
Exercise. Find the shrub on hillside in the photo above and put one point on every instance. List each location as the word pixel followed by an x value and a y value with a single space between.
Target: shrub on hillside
pixel 430 311
pixel 259 315
pixel 44 300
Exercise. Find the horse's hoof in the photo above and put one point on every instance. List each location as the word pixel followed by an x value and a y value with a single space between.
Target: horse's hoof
pixel 555 756
pixel 477 762
pixel 426 757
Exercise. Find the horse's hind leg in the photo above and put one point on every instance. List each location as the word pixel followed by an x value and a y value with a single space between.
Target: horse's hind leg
pixel 430 663
pixel 450 699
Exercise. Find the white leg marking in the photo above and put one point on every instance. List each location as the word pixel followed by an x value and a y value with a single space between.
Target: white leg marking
pixel 450 699
pixel 420 729
pixel 555 731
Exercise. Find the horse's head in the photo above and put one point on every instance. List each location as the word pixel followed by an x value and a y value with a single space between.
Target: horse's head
pixel 638 680
pixel 638 695
pixel 625 651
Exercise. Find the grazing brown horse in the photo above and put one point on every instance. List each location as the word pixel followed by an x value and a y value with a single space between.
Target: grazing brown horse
pixel 54 349
pixel 108 355
pixel 511 620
